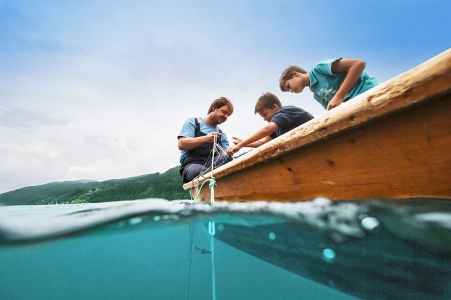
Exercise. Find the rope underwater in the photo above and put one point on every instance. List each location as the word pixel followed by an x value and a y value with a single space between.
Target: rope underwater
pixel 211 225
pixel 211 231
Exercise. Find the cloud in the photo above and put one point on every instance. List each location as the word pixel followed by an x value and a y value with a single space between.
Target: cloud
pixel 95 91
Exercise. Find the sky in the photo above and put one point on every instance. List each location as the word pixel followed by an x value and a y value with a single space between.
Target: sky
pixel 100 89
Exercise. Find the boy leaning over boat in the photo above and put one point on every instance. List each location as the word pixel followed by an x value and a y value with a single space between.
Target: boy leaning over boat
pixel 280 119
pixel 332 80
pixel 196 140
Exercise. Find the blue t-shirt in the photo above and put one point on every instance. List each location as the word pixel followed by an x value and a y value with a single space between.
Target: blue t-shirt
pixel 287 118
pixel 188 131
pixel 324 84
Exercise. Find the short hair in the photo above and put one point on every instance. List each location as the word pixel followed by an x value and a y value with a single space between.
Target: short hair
pixel 220 102
pixel 287 74
pixel 267 100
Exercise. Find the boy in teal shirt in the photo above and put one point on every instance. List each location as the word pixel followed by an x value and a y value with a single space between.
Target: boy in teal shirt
pixel 332 80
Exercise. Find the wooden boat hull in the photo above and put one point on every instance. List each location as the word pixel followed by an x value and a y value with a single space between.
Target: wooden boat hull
pixel 393 141
pixel 381 267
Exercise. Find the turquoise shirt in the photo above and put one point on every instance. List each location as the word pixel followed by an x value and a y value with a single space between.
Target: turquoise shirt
pixel 324 84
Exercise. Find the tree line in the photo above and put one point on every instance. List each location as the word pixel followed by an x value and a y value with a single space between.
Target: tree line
pixel 167 185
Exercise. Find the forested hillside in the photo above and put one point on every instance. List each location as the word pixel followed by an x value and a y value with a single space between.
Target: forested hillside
pixel 166 185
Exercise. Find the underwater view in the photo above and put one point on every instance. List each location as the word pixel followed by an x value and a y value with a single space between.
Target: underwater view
pixel 159 249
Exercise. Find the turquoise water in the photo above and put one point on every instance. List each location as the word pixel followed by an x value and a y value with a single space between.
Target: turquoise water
pixel 156 249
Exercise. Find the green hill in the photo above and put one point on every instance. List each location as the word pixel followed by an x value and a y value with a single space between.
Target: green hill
pixel 166 185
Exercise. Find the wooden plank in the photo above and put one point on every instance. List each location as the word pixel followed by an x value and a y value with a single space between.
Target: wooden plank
pixel 393 141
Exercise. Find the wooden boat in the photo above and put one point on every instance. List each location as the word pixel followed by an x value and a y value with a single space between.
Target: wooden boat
pixel 391 142
pixel 382 267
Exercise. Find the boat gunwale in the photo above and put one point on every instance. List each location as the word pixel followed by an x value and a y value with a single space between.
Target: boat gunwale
pixel 417 86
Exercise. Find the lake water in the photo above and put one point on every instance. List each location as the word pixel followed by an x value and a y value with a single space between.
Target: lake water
pixel 157 249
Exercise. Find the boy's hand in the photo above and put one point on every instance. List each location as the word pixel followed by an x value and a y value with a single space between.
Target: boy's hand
pixel 334 102
pixel 233 149
pixel 236 140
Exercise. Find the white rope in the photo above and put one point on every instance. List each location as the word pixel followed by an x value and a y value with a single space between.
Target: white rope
pixel 216 148
pixel 211 231
pixel 196 180
pixel 213 154
pixel 211 225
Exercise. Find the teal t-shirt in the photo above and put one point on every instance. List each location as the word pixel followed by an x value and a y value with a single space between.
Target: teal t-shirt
pixel 324 84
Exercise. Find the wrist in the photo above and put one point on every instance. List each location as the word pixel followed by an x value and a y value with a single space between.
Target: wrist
pixel 339 96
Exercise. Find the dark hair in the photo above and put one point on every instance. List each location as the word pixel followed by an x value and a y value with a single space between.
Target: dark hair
pixel 267 100
pixel 287 74
pixel 220 102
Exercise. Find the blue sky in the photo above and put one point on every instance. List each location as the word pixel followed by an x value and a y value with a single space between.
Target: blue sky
pixel 100 89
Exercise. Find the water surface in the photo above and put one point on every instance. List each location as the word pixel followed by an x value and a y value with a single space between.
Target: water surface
pixel 156 249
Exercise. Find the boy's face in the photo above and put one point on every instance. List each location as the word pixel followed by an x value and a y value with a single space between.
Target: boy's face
pixel 268 113
pixel 294 85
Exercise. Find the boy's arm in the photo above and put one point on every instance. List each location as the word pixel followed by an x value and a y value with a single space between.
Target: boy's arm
pixel 354 68
pixel 254 144
pixel 260 134
pixel 259 142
